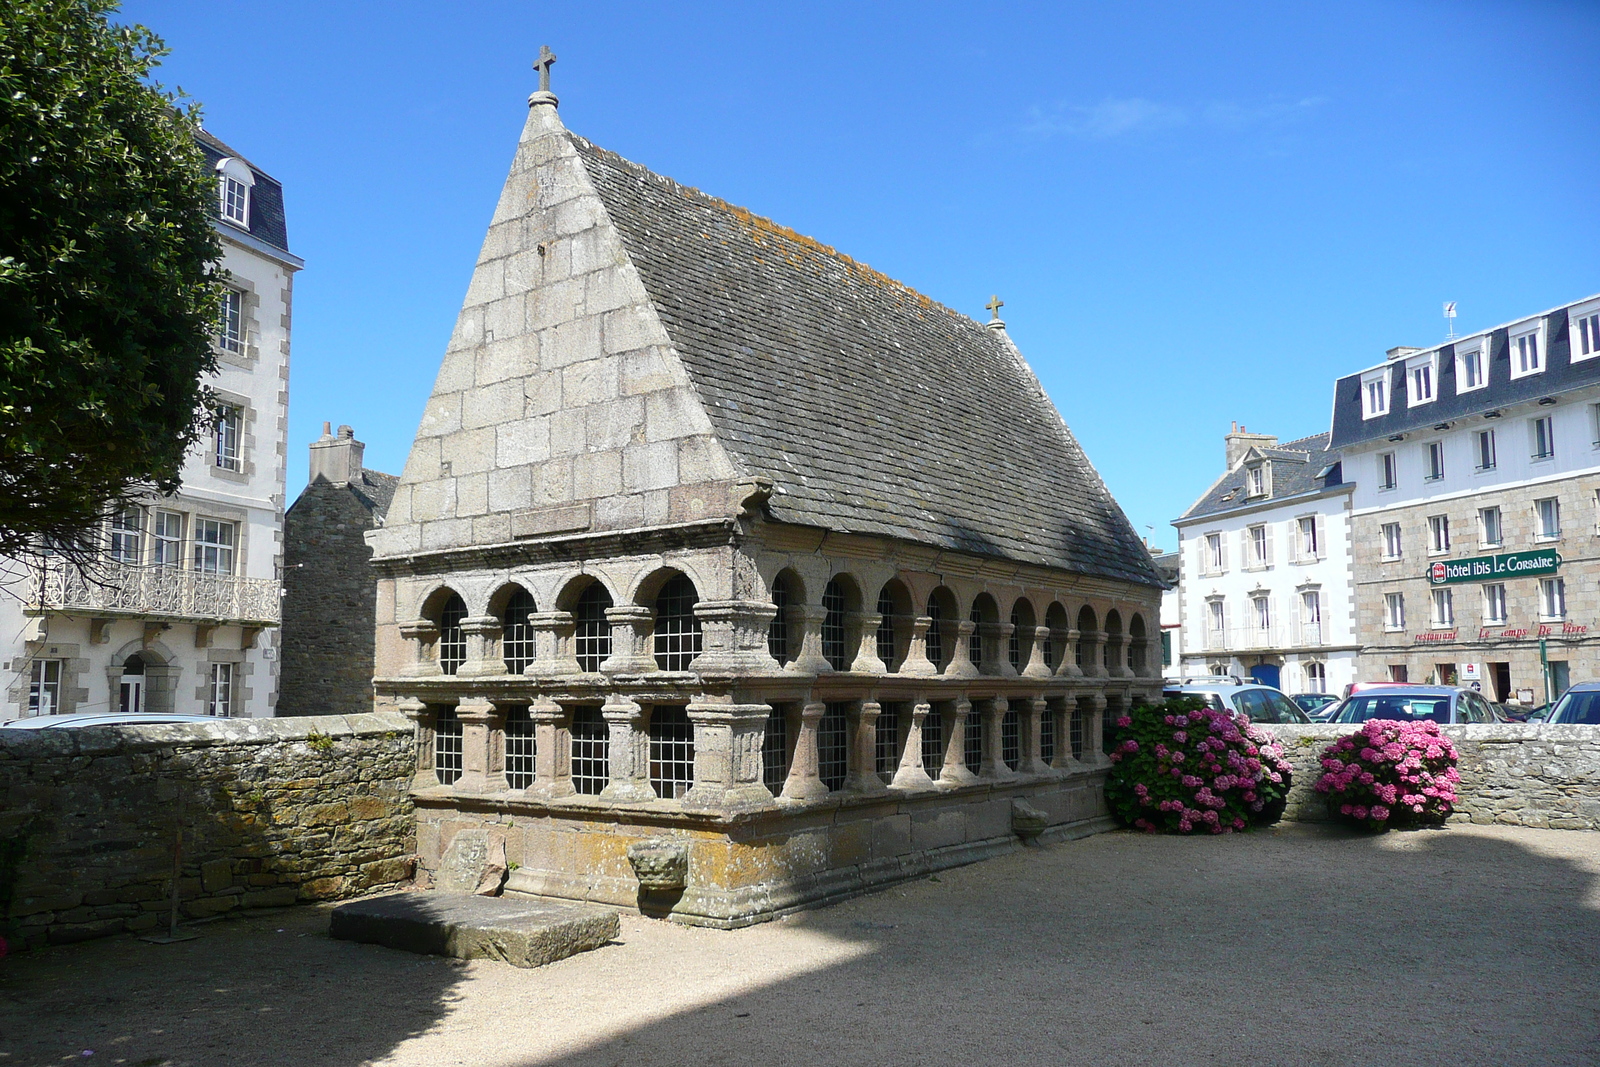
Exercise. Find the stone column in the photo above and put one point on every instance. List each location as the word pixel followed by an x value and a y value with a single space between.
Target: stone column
pixel 631 640
pixel 1094 732
pixel 552 726
pixel 727 756
pixel 1097 664
pixel 955 770
pixel 810 660
pixel 483 747
pixel 483 653
pixel 1036 666
pixel 917 663
pixel 628 751
pixel 997 649
pixel 426 777
pixel 994 712
pixel 867 661
pixel 1069 657
pixel 961 665
pixel 552 643
pixel 805 767
pixel 734 637
pixel 1061 708
pixel 911 774
pixel 1118 657
pixel 863 774
pixel 424 638
pixel 1031 718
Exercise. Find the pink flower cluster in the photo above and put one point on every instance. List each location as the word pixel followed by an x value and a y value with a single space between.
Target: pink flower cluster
pixel 1391 773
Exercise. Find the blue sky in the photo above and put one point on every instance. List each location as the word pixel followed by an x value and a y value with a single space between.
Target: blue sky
pixel 1195 213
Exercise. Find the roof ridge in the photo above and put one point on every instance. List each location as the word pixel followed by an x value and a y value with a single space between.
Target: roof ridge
pixel 1308 437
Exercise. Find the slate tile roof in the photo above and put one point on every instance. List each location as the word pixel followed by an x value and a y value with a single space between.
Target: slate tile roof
pixel 874 409
pixel 1298 467
pixel 266 199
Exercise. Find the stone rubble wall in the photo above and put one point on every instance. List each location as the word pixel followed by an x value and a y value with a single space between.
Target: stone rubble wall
pixel 272 811
pixel 1522 775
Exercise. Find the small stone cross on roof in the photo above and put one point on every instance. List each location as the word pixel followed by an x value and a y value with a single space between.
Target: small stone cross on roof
pixel 542 65
pixel 994 305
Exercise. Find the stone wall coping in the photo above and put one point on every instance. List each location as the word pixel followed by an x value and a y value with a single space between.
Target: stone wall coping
pixel 104 740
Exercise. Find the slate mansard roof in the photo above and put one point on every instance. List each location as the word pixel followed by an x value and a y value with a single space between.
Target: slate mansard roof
pixel 266 198
pixel 1300 467
pixel 874 409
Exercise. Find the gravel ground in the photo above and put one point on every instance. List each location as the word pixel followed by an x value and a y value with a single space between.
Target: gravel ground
pixel 1304 945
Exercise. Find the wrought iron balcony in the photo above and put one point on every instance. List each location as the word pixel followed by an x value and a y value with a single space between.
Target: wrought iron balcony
pixel 121 590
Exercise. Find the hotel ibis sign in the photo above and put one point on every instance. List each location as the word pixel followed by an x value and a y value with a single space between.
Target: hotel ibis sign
pixel 1499 566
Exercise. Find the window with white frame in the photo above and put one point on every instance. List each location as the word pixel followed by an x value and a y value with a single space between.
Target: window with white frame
pixel 1316 678
pixel 234 182
pixel 1261 612
pixel 1419 379
pixel 1438 533
pixel 1391 540
pixel 230 322
pixel 213 546
pixel 1388 471
pixel 219 702
pixel 1470 367
pixel 1490 529
pixel 1527 356
pixel 1259 551
pixel 1542 434
pixel 1311 616
pixel 1494 603
pixel 1394 611
pixel 1594 423
pixel 1444 608
pixel 127 535
pixel 1375 394
pixel 44 687
pixel 227 432
pixel 1586 332
pixel 1485 448
pixel 1552 598
pixel 1216 620
pixel 1435 453
pixel 1256 477
pixel 1549 510
pixel 1216 559
pixel 1309 548
pixel 166 535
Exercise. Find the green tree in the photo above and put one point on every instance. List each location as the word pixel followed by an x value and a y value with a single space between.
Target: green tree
pixel 108 275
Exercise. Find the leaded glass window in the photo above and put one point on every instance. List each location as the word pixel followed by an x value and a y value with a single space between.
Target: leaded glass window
pixel 677 630
pixel 520 747
pixel 833 760
pixel 671 750
pixel 778 630
pixel 591 633
pixel 972 742
pixel 933 742
pixel 887 742
pixel 775 752
pixel 936 634
pixel 452 638
pixel 591 762
pixel 834 645
pixel 1011 738
pixel 516 633
pixel 446 745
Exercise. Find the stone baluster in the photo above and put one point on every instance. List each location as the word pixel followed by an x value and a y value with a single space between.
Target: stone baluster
pixel 867 661
pixel 552 737
pixel 552 644
pixel 917 664
pixel 727 756
pixel 1061 708
pixel 994 713
pixel 483 747
pixel 1094 732
pixel 961 665
pixel 423 717
pixel 628 752
pixel 483 648
pixel 1097 655
pixel 955 770
pixel 1068 667
pixel 424 637
pixel 810 660
pixel 1032 716
pixel 911 774
pixel 1036 666
pixel 734 637
pixel 632 640
pixel 863 774
pixel 805 767
pixel 997 649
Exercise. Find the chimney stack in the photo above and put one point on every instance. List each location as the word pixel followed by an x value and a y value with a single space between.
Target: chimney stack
pixel 337 459
pixel 1238 441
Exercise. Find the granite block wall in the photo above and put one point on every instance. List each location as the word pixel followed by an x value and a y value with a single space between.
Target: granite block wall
pixel 270 812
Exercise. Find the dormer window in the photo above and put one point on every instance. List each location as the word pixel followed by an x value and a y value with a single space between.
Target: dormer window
pixel 1586 331
pixel 235 179
pixel 1258 481
pixel 1527 348
pixel 1420 379
pixel 1375 394
pixel 1471 365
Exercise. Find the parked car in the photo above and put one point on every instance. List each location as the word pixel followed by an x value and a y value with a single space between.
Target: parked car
pixel 1313 702
pixel 1578 706
pixel 1262 703
pixel 57 722
pixel 1444 704
pixel 1326 713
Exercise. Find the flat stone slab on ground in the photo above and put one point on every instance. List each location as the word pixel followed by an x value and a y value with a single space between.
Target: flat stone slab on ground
pixel 524 933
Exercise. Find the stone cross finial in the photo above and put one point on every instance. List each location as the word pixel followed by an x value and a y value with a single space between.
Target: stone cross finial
pixel 994 305
pixel 543 64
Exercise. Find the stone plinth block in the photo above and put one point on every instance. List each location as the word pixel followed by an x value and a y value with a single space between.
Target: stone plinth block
pixel 523 933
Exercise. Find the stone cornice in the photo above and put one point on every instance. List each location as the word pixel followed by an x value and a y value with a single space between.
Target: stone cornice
pixel 650 539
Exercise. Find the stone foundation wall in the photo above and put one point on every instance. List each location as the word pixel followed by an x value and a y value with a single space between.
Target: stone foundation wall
pixel 1546 776
pixel 270 811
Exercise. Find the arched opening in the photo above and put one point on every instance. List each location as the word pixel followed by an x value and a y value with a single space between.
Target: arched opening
pixel 943 615
pixel 448 738
pixel 449 613
pixel 591 630
pixel 785 594
pixel 130 688
pixel 1114 643
pixel 1055 617
pixel 840 599
pixel 677 630
pixel 984 611
pixel 516 633
pixel 1087 626
pixel 1019 647
pixel 894 624
pixel 1138 645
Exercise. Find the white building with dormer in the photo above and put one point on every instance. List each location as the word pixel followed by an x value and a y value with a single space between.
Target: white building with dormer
pixel 180 613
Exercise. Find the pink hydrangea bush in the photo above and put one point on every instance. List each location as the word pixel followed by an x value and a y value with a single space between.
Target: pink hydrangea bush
pixel 1392 774
pixel 1187 768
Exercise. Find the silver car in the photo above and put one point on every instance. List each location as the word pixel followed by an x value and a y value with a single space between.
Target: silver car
pixel 1579 705
pixel 1262 703
pixel 1446 705
pixel 61 722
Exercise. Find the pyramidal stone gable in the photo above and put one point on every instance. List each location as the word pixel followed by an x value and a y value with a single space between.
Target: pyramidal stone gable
pixel 633 353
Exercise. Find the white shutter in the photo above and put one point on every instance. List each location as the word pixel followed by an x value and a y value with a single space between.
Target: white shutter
pixel 1268 531
pixel 1293 637
pixel 1322 536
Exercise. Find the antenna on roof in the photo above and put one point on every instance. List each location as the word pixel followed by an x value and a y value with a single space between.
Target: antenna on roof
pixel 1450 319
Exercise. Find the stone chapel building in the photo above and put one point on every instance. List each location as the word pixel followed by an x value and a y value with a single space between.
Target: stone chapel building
pixel 731 576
